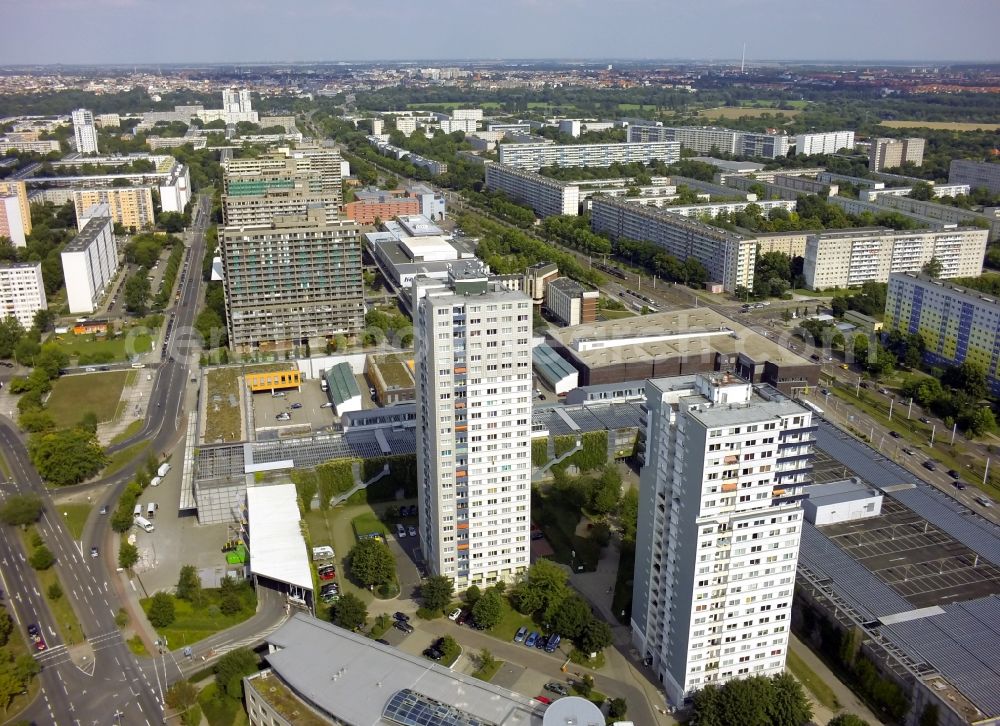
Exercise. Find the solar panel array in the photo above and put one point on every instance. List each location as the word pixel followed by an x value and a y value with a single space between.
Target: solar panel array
pixel 975 532
pixel 963 645
pixel 852 581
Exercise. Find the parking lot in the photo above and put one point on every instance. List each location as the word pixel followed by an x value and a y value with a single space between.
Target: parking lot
pixel 304 408
pixel 915 558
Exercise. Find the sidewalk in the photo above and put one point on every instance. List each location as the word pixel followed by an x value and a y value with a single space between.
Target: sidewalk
pixel 132 405
pixel 849 703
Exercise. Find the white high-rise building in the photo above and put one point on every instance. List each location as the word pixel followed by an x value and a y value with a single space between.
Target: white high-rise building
pixel 22 292
pixel 473 381
pixel 719 529
pixel 828 142
pixel 84 131
pixel 236 101
pixel 90 260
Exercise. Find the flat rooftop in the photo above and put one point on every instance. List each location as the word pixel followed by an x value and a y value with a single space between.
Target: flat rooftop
pixel 86 236
pixel 355 680
pixel 837 492
pixel 277 548
pixel 680 333
pixel 727 165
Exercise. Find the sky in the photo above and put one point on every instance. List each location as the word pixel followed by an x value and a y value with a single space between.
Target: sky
pixel 246 31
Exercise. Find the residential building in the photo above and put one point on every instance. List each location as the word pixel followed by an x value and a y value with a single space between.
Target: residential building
pixel 728 257
pixel 432 203
pixel 472 364
pixel 12 221
pixel 849 257
pixel 828 142
pixel 294 278
pixel 318 168
pixel 570 126
pixel 537 277
pixel 719 529
pixel 957 323
pixel 175 190
pixel 236 101
pixel 714 140
pixel 435 167
pixel 406 125
pixel 155 143
pixel 320 674
pixel 35 146
pixel 534 156
pixel 977 174
pixel 84 131
pixel 378 125
pixel 108 120
pixel 945 213
pixel 90 262
pixel 19 190
pixel 465 125
pixel 570 302
pixel 891 153
pixel 468 114
pixel 546 196
pixel 370 205
pixel 131 207
pixel 511 128
pixel 22 292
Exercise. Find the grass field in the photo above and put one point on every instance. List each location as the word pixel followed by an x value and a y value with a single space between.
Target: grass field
pixel 813 683
pixel 454 104
pixel 73 396
pixel 192 624
pixel 4 468
pixel 367 523
pixel 117 349
pixel 221 710
pixel 222 420
pixel 731 112
pixel 75 516
pixel 486 674
pixel 131 430
pixel 121 459
pixel 941 125
pixel 510 622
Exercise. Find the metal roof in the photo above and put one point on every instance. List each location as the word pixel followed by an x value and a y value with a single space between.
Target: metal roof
pixel 277 548
pixel 551 366
pixel 342 384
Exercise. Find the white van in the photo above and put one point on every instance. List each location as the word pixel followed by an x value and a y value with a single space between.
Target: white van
pixel 144 523
pixel 322 552
pixel 137 512
pixel 155 481
pixel 162 471
pixel 150 510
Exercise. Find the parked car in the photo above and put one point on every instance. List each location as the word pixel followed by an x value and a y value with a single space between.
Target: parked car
pixel 894 434
pixel 412 530
pixel 94 552
pixel 383 641
pixel 433 653
pixel 284 416
pixel 541 642
pixel 543 699
pixel 400 531
pixel 462 617
pixel 327 405
pixel 557 687
pixel 296 405
pixel 925 420
pixel 520 635
pixel 553 643
pixel 403 626
pixel 908 452
pixel 531 639
pixel 327 575
pixel 401 616
pixel 453 615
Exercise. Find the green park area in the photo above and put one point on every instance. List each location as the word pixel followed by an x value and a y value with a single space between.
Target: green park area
pixel 75 516
pixel 74 396
pixel 197 618
pixel 88 349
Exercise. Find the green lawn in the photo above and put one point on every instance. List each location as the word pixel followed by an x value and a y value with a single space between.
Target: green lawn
pixel 131 430
pixel 510 623
pixel 136 645
pixel 487 673
pixel 816 685
pixel 4 468
pixel 222 420
pixel 75 516
pixel 368 522
pixel 16 646
pixel 73 396
pixel 62 608
pixel 222 711
pixel 121 459
pixel 333 528
pixel 558 519
pixel 193 624
pixel 108 350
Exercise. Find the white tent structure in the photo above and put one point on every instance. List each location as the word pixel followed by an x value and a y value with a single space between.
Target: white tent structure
pixel 277 548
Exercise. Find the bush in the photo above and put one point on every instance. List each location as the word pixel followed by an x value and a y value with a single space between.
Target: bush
pixel 54 592
pixel 21 509
pixel 231 669
pixel 42 558
pixel 161 610
pixel 230 604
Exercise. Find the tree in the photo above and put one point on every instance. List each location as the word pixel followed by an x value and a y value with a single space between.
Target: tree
pixel 10 686
pixel 371 563
pixel 969 377
pixel 161 610
pixel 569 616
pixel 436 592
pixel 978 421
pixel 788 705
pixel 922 191
pixel 10 333
pixel 230 604
pixel 136 295
pixel 21 509
pixel 88 422
pixel 67 456
pixel 617 708
pixel 43 319
pixel 26 668
pixel 605 495
pixel 449 649
pixel 595 636
pixel 189 584
pixel 544 583
pixel 181 696
pixel 847 719
pixel 54 591
pixel 486 660
pixel 128 555
pixel 42 558
pixel 6 626
pixel 488 609
pixel 472 595
pixel 231 669
pixel 933 267
pixel 349 612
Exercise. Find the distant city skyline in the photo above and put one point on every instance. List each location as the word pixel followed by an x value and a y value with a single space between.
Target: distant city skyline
pixel 253 31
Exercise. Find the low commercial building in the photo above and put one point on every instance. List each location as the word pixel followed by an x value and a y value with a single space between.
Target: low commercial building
pixel 977 174
pixel 728 257
pixel 571 303
pixel 278 551
pixel 850 257
pixel 553 369
pixel 847 500
pixel 90 261
pixel 546 196
pixel 682 342
pixel 534 156
pixel 956 323
pixel 401 257
pixel 860 320
pixel 827 142
pixel 131 207
pixel 274 380
pixel 11 221
pixel 22 292
pixel 321 674
pixel 392 378
pixel 342 388
pixel 370 206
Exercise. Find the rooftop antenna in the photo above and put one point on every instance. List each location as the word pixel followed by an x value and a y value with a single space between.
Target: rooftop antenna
pixel 743 59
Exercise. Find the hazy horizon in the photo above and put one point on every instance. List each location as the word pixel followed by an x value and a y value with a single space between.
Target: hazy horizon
pixel 127 32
